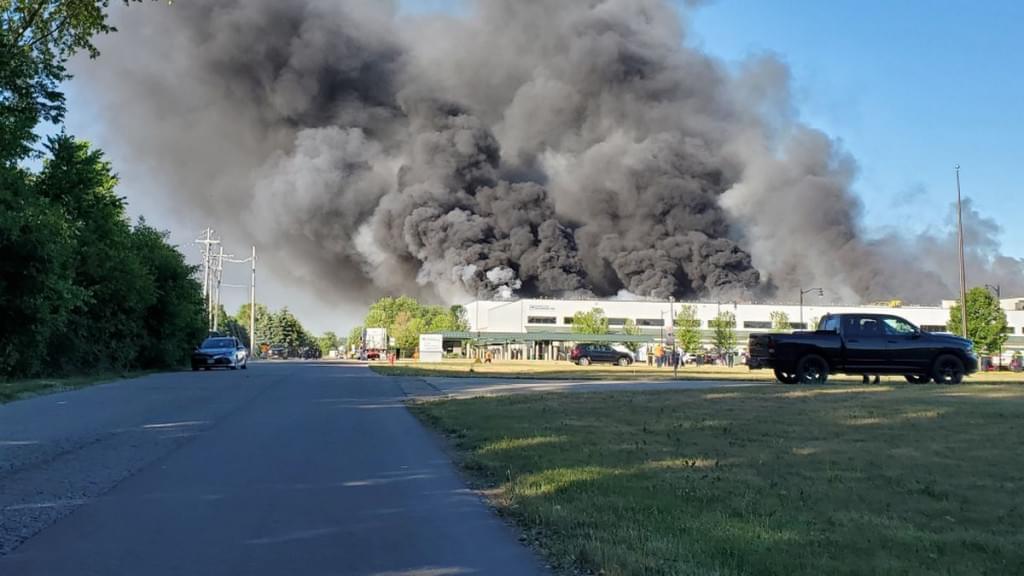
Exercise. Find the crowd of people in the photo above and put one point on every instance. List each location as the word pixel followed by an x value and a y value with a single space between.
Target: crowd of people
pixel 666 356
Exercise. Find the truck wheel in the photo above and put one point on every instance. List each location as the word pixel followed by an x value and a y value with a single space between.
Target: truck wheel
pixel 623 361
pixel 785 377
pixel 812 369
pixel 948 369
pixel 918 378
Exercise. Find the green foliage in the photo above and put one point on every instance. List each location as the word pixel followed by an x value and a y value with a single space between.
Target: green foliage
pixel 406 331
pixel 592 322
pixel 176 319
pixel 327 342
pixel 780 321
pixel 687 327
pixel 80 287
pixel 230 325
pixel 355 337
pixel 262 321
pixel 631 329
pixel 724 328
pixel 406 319
pixel 285 329
pixel 986 320
pixel 37 37
pixel 37 294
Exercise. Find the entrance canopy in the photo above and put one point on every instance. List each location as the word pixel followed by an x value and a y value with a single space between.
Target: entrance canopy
pixel 503 337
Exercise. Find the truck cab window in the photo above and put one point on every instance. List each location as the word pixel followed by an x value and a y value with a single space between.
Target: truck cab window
pixel 829 324
pixel 898 327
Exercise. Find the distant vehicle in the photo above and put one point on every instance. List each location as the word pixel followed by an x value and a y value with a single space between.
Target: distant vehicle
pixel 278 351
pixel 863 344
pixel 220 353
pixel 375 343
pixel 587 354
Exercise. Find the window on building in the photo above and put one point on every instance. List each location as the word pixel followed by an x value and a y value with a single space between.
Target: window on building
pixel 798 325
pixel 616 321
pixel 756 325
pixel 650 322
pixel 541 320
pixel 567 320
pixel 1010 330
pixel 933 328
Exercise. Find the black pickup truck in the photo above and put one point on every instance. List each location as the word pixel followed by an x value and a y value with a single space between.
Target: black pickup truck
pixel 863 344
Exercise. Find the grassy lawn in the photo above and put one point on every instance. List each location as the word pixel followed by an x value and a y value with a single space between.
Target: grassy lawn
pixel 775 480
pixel 565 370
pixel 17 389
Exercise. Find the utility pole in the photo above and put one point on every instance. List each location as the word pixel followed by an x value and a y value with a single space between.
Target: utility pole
pixel 207 241
pixel 252 304
pixel 963 269
pixel 807 291
pixel 252 295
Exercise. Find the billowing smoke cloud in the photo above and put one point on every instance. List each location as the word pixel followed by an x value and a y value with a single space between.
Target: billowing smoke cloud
pixel 548 147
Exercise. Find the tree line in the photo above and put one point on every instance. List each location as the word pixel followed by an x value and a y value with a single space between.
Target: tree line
pixel 82 288
pixel 279 327
pixel 406 319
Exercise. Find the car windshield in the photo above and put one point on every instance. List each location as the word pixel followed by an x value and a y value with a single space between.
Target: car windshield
pixel 218 343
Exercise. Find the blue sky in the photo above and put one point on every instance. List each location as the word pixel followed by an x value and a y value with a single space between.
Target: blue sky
pixel 910 88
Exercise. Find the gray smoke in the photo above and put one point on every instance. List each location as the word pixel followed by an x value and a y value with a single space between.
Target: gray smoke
pixel 548 147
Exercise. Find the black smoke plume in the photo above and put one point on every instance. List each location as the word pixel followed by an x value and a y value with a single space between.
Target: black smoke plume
pixel 550 147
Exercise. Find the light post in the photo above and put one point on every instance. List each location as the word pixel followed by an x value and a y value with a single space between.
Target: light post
pixel 963 268
pixel 802 293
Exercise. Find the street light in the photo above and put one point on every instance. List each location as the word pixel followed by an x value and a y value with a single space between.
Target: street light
pixel 963 266
pixel 807 291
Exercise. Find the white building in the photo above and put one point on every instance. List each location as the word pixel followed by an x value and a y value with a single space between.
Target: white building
pixel 542 328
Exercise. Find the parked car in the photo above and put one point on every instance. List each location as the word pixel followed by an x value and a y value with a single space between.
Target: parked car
pixel 863 344
pixel 586 354
pixel 222 352
pixel 278 351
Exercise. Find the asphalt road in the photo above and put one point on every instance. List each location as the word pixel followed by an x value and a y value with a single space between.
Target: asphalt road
pixel 285 468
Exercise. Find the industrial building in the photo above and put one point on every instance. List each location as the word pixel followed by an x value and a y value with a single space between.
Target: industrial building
pixel 542 328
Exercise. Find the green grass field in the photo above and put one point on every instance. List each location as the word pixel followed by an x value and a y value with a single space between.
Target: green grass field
pixel 566 370
pixel 775 480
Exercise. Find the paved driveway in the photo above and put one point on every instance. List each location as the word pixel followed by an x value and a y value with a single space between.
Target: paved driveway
pixel 286 468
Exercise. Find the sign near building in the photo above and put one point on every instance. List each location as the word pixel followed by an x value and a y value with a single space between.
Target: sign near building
pixel 431 348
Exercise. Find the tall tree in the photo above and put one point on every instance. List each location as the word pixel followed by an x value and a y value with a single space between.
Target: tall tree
pixel 687 326
pixel 384 312
pixel 406 331
pixel 104 331
pixel 630 328
pixel 355 337
pixel 262 321
pixel 592 322
pixel 176 319
pixel 724 328
pixel 37 256
pixel 986 320
pixel 327 342
pixel 780 321
pixel 37 37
